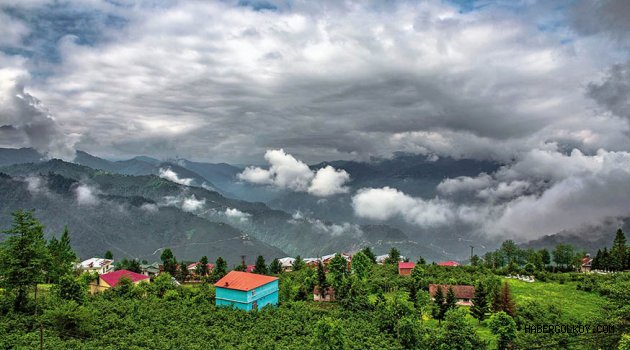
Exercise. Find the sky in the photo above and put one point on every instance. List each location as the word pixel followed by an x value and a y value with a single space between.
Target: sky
pixel 541 86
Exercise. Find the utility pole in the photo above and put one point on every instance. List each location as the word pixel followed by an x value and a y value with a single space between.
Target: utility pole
pixel 471 253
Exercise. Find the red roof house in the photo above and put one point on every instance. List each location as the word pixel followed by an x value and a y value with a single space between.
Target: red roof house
pixel 111 279
pixel 404 268
pixel 449 263
pixel 464 294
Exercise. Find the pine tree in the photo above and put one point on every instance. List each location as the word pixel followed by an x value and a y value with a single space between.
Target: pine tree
pixel 506 301
pixel 605 261
pixel 298 263
pixel 596 263
pixel 182 274
pixel 451 300
pixel 393 257
pixel 618 252
pixel 368 252
pixel 109 255
pixel 169 263
pixel 202 267
pixel 62 257
pixel 480 303
pixel 275 267
pixel 322 283
pixel 438 308
pixel 220 269
pixel 261 266
pixel 23 257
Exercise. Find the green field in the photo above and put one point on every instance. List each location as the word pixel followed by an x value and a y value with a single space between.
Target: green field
pixel 577 305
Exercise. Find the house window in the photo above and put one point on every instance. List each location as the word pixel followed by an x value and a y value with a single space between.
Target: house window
pixel 253 292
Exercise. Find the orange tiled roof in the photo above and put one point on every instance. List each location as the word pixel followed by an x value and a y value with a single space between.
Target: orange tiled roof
pixel 243 280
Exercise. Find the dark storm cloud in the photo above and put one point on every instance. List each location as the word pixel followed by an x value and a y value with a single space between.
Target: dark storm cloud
pixel 324 80
pixel 608 17
pixel 614 92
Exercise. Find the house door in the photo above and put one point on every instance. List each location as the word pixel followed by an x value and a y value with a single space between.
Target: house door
pixel 255 305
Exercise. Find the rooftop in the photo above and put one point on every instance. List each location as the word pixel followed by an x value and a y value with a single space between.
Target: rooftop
pixel 113 278
pixel 406 265
pixel 461 291
pixel 243 280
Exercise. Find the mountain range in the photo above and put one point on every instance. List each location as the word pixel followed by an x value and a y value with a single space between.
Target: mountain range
pixel 125 207
pixel 138 206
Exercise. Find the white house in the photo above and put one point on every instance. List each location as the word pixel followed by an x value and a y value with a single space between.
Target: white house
pixel 97 265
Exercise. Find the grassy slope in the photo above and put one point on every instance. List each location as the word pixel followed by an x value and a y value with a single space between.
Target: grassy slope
pixel 577 305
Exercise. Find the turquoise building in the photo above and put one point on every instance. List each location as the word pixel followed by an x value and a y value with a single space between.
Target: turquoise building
pixel 246 291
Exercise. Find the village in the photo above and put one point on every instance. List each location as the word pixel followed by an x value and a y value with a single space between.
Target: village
pixel 338 301
pixel 247 288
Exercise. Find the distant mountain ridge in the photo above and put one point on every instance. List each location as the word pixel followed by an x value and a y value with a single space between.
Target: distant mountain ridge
pixel 305 236
pixel 129 226
pixel 589 238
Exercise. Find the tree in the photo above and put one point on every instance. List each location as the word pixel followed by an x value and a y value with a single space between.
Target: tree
pixel 407 332
pixel 393 257
pixel 509 250
pixel 329 335
pixel 618 252
pixel 182 273
pixel 505 301
pixel 23 257
pixel 451 300
pixel 361 265
pixel 563 255
pixel 438 300
pixel 624 343
pixel 545 256
pixel 169 262
pixel 109 255
pixel 298 263
pixel 62 257
pixel 458 333
pixel 338 269
pixel 202 267
pixel 475 260
pixel 128 264
pixel 261 266
pixel 479 307
pixel 322 283
pixel 275 267
pixel 69 288
pixel 421 261
pixel 368 252
pixel 596 263
pixel 504 327
pixel 220 269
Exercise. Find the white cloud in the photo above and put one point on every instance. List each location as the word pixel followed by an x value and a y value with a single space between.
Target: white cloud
pixel 386 203
pixel 150 207
pixel 86 195
pixel 188 204
pixel 191 204
pixel 172 176
pixel 329 181
pixel 34 184
pixel 464 183
pixel 543 193
pixel 287 172
pixel 237 214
